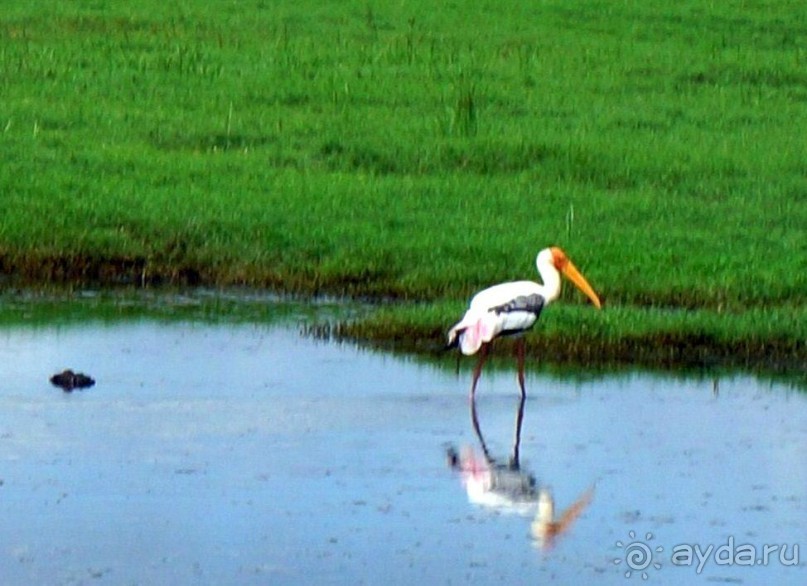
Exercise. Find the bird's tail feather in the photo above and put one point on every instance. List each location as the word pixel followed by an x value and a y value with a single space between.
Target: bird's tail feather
pixel 473 331
pixel 453 339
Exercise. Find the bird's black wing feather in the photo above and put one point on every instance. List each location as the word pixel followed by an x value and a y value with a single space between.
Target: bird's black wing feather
pixel 531 303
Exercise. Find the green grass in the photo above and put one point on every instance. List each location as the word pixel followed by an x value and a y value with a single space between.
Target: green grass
pixel 411 152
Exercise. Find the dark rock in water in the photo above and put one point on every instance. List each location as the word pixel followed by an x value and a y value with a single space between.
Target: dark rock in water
pixel 69 380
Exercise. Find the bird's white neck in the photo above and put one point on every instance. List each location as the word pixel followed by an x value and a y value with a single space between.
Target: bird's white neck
pixel 549 275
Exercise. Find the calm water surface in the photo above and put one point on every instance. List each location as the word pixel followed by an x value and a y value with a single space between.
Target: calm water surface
pixel 244 454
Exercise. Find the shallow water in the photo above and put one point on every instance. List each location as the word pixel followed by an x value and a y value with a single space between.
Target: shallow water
pixel 247 454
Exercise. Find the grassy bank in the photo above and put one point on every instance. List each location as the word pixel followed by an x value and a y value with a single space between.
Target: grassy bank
pixel 408 152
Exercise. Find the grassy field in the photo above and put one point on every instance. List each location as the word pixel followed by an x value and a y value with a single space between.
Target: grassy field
pixel 402 151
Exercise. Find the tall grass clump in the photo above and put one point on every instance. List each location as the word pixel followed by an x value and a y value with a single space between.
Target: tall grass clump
pixel 463 114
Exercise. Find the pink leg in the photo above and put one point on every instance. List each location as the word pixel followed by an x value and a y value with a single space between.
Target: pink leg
pixel 520 361
pixel 514 461
pixel 483 356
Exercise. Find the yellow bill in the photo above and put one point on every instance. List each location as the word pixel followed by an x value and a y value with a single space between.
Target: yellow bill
pixel 571 272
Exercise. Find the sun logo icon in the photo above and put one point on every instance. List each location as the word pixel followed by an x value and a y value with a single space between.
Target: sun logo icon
pixel 638 555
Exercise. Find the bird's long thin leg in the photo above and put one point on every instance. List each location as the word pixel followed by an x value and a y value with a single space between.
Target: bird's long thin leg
pixel 483 356
pixel 519 351
pixel 514 461
pixel 520 361
pixel 478 431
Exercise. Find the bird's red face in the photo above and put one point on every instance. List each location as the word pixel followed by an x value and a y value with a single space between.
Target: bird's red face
pixel 565 266
pixel 559 258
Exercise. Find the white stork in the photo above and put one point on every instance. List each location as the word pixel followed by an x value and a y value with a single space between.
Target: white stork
pixel 513 308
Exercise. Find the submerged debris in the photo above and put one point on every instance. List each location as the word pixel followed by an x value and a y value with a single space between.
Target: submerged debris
pixel 69 380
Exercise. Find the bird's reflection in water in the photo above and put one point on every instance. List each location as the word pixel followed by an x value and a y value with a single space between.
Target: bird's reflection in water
pixel 546 526
pixel 509 487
